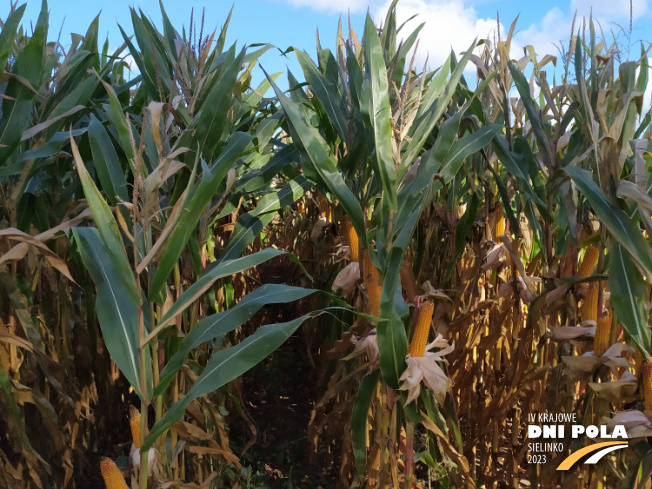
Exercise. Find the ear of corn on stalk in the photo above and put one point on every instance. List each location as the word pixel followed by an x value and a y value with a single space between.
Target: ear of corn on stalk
pixel 646 379
pixel 372 284
pixel 603 334
pixel 352 236
pixel 589 262
pixel 134 424
pixel 589 311
pixel 500 222
pixel 111 474
pixel 374 292
pixel 420 337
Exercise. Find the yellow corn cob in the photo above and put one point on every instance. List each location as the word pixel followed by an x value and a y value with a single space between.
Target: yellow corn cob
pixel 603 334
pixel 500 222
pixel 372 283
pixel 134 424
pixel 589 262
pixel 353 240
pixel 324 207
pixel 589 311
pixel 113 478
pixel 646 379
pixel 420 336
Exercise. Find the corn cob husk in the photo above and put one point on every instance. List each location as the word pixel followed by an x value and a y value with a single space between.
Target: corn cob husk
pixel 409 283
pixel 420 337
pixel 352 236
pixel 589 262
pixel 372 283
pixel 589 311
pixel 111 474
pixel 134 424
pixel 638 362
pixel 603 334
pixel 646 379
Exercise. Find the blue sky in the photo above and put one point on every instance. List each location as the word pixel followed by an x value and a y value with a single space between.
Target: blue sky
pixel 284 23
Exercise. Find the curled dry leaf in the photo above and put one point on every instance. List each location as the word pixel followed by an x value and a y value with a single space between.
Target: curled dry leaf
pixel 348 279
pixel 617 390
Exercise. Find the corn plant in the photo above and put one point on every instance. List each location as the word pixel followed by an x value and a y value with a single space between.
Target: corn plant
pixel 381 140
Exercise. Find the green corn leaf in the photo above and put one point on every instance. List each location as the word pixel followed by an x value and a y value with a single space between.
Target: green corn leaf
pixel 434 103
pixel 619 225
pixel 466 146
pixel 533 113
pixel 219 324
pixel 322 161
pixel 116 309
pixel 392 339
pixel 326 93
pixel 201 195
pixel 213 123
pixel 119 122
pixel 628 296
pixel 17 103
pixel 359 420
pixel 52 146
pixel 8 33
pixel 107 164
pixel 223 269
pixel 249 225
pixel 107 227
pixel 226 365
pixel 377 113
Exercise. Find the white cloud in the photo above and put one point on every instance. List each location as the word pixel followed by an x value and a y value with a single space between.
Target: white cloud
pixel 341 6
pixel 448 24
pixel 455 23
pixel 545 36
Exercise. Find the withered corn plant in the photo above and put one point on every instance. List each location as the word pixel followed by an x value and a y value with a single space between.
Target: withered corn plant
pixel 53 367
pixel 554 316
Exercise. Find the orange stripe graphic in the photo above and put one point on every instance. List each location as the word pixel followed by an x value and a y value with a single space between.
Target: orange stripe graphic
pixel 575 456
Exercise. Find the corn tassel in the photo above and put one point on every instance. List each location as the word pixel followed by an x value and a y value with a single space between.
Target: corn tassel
pixel 646 379
pixel 420 337
pixel 589 262
pixel 111 474
pixel 589 311
pixel 372 284
pixel 602 335
pixel 134 424
pixel 353 240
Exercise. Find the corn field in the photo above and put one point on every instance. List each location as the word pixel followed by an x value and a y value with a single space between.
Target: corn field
pixel 420 263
